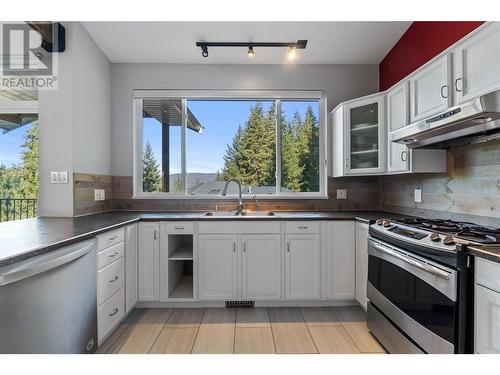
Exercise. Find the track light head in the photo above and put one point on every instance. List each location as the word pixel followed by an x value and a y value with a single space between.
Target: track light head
pixel 251 52
pixel 204 51
pixel 292 52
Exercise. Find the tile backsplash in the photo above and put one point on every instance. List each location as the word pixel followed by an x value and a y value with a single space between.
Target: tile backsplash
pixel 469 191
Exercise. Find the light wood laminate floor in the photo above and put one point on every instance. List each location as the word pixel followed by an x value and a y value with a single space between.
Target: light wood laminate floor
pixel 291 330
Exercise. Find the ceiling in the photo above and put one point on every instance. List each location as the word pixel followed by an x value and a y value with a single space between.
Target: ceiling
pixel 174 42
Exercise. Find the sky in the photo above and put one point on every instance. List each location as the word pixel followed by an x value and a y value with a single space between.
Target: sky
pixel 220 119
pixel 10 146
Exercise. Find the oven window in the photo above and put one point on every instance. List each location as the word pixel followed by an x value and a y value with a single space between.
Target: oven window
pixel 414 297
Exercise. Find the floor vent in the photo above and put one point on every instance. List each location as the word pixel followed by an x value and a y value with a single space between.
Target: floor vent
pixel 240 304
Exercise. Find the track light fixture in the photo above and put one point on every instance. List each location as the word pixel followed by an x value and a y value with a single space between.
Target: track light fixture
pixel 292 46
pixel 251 53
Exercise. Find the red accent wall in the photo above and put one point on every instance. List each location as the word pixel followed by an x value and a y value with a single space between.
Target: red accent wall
pixel 420 43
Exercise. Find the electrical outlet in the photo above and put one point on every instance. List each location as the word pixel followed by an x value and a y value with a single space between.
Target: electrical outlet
pixel 341 193
pixel 418 195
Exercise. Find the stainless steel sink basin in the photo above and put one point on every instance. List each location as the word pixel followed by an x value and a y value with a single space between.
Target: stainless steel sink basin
pixel 259 213
pixel 221 213
pixel 236 215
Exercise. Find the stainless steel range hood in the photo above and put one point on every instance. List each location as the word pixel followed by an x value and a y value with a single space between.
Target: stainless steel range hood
pixel 480 116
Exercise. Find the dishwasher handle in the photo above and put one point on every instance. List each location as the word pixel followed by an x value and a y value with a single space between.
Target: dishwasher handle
pixel 43 263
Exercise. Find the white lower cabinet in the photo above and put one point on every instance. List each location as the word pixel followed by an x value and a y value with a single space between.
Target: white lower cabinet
pixel 487 307
pixel 361 263
pixel 340 260
pixel 261 267
pixel 217 267
pixel 131 246
pixel 302 266
pixel 149 261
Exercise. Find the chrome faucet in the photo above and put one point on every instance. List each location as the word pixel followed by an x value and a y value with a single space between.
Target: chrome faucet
pixel 256 202
pixel 240 199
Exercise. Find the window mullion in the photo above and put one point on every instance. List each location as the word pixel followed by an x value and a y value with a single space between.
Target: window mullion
pixel 183 145
pixel 278 145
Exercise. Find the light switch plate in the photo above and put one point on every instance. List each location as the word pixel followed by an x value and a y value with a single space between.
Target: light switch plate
pixel 418 195
pixel 96 195
pixel 59 177
pixel 102 194
pixel 341 193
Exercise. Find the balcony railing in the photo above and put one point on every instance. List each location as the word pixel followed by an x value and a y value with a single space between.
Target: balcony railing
pixel 17 208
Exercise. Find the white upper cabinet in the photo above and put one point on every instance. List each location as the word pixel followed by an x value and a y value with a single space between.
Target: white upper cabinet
pixel 397 117
pixel 430 89
pixel 477 64
pixel 261 267
pixel 359 137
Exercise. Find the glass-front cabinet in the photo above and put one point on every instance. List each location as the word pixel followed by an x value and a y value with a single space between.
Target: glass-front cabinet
pixel 359 136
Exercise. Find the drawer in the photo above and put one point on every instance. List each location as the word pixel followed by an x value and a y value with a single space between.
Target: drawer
pixel 302 227
pixel 110 313
pixel 488 274
pixel 111 254
pixel 110 238
pixel 182 227
pixel 109 280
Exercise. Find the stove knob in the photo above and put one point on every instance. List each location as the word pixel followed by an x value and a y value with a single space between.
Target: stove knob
pixel 449 240
pixel 434 237
pixel 379 221
pixel 386 223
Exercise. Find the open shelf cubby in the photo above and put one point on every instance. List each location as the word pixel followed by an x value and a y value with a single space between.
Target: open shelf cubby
pixel 180 266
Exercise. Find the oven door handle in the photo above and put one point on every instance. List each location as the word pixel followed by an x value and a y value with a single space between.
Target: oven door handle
pixel 423 266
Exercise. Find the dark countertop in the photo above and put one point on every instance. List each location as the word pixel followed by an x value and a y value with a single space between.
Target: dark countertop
pixel 23 239
pixel 486 252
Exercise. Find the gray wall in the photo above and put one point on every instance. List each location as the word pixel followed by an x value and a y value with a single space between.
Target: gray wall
pixel 75 120
pixel 341 82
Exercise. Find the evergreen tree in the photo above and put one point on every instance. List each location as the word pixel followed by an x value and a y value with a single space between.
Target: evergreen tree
pixel 257 151
pixel 310 155
pixel 232 159
pixel 151 179
pixel 10 181
pixel 291 171
pixel 29 168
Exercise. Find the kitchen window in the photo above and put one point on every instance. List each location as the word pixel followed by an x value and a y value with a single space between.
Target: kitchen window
pixel 190 143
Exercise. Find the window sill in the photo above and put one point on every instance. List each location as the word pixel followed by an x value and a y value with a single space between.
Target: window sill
pixel 166 196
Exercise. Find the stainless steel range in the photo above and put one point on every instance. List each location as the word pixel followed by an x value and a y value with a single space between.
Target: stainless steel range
pixel 420 283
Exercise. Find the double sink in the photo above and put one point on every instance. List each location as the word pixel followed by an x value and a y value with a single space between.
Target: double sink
pixel 242 214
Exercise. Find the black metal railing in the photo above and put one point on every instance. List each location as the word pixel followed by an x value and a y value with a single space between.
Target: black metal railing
pixel 17 208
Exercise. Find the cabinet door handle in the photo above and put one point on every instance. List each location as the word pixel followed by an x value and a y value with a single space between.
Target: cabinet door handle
pixel 113 280
pixel 442 95
pixel 456 84
pixel 234 247
pixel 113 255
pixel 244 247
pixel 403 155
pixel 288 247
pixel 178 228
pixel 114 312
pixel 155 235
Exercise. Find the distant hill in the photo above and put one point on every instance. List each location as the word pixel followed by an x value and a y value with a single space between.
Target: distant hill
pixel 194 180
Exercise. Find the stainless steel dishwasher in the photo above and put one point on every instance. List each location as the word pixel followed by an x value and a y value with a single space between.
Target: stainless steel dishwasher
pixel 48 303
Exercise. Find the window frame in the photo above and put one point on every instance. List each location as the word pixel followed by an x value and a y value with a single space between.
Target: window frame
pixel 218 95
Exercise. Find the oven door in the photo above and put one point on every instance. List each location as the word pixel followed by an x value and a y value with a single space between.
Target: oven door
pixel 415 294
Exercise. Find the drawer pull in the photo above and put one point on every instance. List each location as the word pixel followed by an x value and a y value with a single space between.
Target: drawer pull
pixel 178 228
pixel 303 227
pixel 112 238
pixel 113 280
pixel 114 312
pixel 113 255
